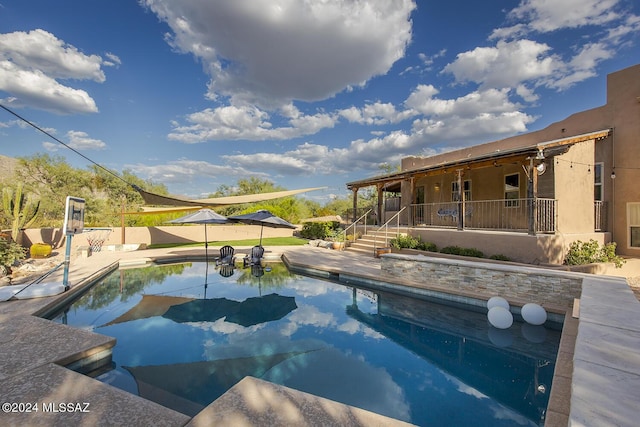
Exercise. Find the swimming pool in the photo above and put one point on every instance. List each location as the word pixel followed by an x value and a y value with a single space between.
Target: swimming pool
pixel 183 340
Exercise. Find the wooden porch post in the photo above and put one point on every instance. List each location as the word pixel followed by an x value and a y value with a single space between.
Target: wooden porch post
pixel 460 200
pixel 355 203
pixel 381 219
pixel 532 198
pixel 410 213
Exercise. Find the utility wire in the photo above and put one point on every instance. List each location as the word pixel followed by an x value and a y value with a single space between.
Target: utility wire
pixel 66 145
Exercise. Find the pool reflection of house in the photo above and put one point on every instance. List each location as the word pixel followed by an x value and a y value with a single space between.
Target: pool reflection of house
pixel 530 195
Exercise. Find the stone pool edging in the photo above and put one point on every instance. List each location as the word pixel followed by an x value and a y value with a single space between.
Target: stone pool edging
pixel 520 284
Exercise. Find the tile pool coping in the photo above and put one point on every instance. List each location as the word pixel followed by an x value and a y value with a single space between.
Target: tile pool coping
pixel 606 339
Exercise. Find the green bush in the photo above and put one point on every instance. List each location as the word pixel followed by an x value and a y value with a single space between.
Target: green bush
pixel 409 242
pixel 500 257
pixel 10 252
pixel 581 253
pixel 427 246
pixel 404 241
pixel 317 230
pixel 456 250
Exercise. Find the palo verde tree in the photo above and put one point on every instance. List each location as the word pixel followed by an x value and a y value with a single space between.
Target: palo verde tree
pixel 20 208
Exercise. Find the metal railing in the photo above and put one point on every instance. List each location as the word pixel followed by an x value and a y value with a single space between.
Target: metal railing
pixel 386 229
pixel 502 214
pixel 354 224
pixel 600 216
pixel 392 204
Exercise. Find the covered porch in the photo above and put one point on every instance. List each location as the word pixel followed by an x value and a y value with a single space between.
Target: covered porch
pixel 544 188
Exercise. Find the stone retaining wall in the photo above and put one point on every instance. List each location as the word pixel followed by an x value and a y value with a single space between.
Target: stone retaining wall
pixel 518 284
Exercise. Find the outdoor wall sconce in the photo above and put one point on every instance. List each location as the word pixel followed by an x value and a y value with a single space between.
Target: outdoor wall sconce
pixel 613 174
pixel 436 186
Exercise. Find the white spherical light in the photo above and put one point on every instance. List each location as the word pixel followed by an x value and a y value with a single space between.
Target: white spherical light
pixel 497 302
pixel 500 317
pixel 534 314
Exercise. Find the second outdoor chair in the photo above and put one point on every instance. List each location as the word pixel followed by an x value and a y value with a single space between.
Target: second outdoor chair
pixel 254 257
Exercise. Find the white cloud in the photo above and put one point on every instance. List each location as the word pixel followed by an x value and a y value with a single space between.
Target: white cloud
pixel 378 113
pixel 186 171
pixel 505 65
pixel 31 65
pixel 34 88
pixel 268 52
pixel 545 15
pixel 246 123
pixel 81 141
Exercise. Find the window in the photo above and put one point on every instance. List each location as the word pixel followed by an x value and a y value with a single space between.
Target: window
pixel 598 188
pixel 455 193
pixel 512 190
pixel 633 215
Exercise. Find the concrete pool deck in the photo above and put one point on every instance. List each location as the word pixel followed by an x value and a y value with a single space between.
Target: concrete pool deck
pixel 597 378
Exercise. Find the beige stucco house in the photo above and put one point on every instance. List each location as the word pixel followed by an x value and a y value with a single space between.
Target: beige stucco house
pixel 529 196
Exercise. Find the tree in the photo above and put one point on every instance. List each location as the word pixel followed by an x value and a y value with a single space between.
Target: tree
pixel 20 208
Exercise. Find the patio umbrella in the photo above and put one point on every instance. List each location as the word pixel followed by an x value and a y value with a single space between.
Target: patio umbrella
pixel 203 216
pixel 251 311
pixel 262 218
pixel 255 310
pixel 201 310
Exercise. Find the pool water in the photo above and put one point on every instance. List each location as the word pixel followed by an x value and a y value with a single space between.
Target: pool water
pixel 187 332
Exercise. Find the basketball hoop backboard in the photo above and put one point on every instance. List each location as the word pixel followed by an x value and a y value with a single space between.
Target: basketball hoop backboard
pixel 74 215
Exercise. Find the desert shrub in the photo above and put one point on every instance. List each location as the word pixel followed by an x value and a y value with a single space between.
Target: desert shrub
pixel 500 257
pixel 317 230
pixel 404 241
pixel 591 252
pixel 427 246
pixel 457 250
pixel 10 252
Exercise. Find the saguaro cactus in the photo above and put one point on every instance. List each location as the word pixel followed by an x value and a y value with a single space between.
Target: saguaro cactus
pixel 20 208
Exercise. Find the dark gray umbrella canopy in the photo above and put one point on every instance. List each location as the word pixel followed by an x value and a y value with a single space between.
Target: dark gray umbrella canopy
pixel 263 218
pixel 203 216
pixel 251 311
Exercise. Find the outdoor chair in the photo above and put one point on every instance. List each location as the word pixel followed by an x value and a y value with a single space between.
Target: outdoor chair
pixel 226 256
pixel 226 270
pixel 254 257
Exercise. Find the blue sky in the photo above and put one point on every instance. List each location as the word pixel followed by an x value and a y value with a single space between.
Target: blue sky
pixel 199 93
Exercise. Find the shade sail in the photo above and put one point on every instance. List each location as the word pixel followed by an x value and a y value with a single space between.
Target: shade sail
pixel 161 200
pixel 149 306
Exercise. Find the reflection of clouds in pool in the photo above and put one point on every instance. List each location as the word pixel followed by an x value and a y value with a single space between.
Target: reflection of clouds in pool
pixel 309 315
pixel 353 327
pixel 499 411
pixel 317 287
pixel 266 343
pixel 464 388
pixel 332 374
pixel 503 413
